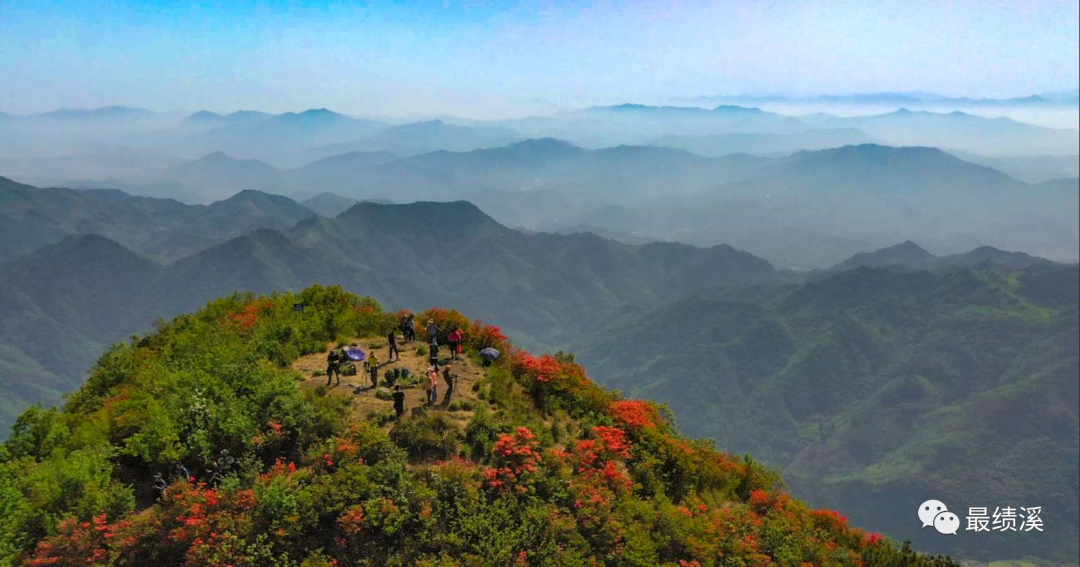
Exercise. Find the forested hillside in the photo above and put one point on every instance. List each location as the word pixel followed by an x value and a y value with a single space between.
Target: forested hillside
pixel 546 468
pixel 874 389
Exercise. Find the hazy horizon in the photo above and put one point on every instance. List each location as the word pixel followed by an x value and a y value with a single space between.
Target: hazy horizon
pixel 499 60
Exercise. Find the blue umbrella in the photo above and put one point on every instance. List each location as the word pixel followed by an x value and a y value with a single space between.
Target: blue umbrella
pixel 355 354
pixel 489 354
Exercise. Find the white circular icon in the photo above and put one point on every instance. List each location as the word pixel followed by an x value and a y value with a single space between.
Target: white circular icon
pixel 929 509
pixel 946 522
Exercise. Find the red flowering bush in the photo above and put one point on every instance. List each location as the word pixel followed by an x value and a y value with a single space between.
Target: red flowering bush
pixel 635 413
pixel 543 368
pixel 482 336
pixel 352 521
pixel 514 457
pixel 249 315
pixel 830 519
pixel 199 514
pixel 557 381
pixel 83 543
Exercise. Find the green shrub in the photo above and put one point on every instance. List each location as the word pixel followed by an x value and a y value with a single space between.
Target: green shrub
pixel 381 417
pixel 427 437
pixel 460 405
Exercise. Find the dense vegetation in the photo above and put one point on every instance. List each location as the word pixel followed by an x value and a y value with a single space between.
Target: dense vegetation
pixel 874 389
pixel 552 469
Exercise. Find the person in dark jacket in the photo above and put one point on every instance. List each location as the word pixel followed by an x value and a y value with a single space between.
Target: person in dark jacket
pixel 450 380
pixel 410 323
pixel 333 366
pixel 433 354
pixel 391 341
pixel 399 402
pixel 161 486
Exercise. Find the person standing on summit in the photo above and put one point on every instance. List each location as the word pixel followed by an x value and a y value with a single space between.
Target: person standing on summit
pixel 433 354
pixel 432 331
pixel 431 385
pixel 454 338
pixel 391 341
pixel 333 366
pixel 373 369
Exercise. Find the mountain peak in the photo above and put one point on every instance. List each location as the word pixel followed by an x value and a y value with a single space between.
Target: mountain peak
pixel 251 195
pixel 437 218
pixel 907 254
pixel 204 116
pixel 543 145
pixel 735 109
pixel 216 157
pixel 313 115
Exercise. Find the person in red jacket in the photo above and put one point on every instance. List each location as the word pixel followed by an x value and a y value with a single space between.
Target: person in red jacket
pixel 455 338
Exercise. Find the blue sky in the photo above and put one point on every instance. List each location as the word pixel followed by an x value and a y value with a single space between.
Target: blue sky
pixel 490 59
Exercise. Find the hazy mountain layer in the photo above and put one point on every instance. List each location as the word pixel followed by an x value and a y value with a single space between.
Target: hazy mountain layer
pixel 874 389
pixel 160 228
pixel 813 209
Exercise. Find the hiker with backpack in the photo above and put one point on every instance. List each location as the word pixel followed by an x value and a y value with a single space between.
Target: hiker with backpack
pixel 410 327
pixel 391 341
pixel 333 366
pixel 455 338
pixel 373 368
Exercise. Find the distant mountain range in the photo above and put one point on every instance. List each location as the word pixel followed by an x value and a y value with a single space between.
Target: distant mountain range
pixel 812 209
pixel 157 228
pixel 806 210
pixel 764 144
pixel 961 131
pixel 1062 98
pixel 910 256
pixel 136 149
